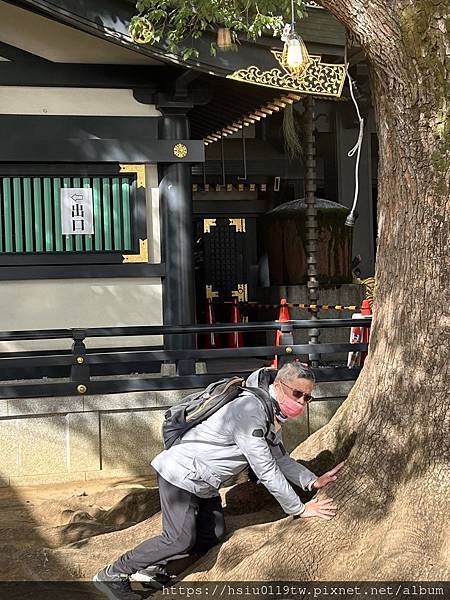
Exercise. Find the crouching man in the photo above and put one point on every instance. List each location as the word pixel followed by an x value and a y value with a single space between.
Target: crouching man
pixel 191 472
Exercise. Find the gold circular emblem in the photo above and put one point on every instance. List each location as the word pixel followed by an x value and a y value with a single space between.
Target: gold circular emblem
pixel 143 32
pixel 180 150
pixel 81 389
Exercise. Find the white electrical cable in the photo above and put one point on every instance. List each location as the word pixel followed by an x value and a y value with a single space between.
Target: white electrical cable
pixel 356 148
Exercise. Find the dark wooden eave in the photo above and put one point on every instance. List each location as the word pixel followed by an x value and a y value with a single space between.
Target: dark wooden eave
pixel 219 101
pixel 109 19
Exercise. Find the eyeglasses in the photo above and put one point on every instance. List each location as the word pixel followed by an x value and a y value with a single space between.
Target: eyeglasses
pixel 298 394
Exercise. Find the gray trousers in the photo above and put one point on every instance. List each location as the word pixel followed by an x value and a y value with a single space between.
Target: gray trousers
pixel 191 525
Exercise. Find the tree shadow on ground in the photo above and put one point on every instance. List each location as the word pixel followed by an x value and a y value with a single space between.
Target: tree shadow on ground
pixel 24 567
pixel 135 507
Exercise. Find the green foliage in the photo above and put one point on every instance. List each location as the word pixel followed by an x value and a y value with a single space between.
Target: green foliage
pixel 177 23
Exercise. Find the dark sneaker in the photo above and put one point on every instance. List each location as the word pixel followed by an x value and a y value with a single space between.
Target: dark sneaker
pixel 153 577
pixel 115 585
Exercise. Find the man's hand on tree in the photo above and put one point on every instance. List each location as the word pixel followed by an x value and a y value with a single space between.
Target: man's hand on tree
pixel 324 509
pixel 327 477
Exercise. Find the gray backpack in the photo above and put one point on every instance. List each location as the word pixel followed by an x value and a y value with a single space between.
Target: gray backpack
pixel 197 407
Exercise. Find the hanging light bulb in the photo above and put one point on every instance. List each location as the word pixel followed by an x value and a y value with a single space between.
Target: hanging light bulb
pixel 295 57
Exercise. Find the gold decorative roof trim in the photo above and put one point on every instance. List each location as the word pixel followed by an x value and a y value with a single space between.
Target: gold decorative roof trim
pixel 320 79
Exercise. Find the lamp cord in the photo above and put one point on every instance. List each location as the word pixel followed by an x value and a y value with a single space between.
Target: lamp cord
pixel 357 147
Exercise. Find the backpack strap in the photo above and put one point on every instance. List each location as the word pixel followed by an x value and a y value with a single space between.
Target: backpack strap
pixel 266 400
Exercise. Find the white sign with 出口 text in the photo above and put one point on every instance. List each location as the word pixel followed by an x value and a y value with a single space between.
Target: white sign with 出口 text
pixel 76 211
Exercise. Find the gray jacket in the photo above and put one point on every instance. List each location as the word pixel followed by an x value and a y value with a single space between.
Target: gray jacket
pixel 224 444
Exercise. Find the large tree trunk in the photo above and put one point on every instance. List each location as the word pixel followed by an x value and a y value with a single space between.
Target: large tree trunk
pixel 393 495
pixel 393 430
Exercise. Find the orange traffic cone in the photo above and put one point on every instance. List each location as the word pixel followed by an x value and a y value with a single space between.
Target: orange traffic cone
pixel 212 338
pixel 283 316
pixel 235 338
pixel 365 308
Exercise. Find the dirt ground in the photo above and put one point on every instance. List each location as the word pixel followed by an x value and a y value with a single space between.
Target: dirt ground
pixel 66 532
pixel 39 518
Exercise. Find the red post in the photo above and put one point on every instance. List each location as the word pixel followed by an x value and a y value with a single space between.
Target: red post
pixel 235 338
pixel 358 335
pixel 212 339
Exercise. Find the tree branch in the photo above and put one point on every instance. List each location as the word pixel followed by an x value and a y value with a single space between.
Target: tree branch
pixel 346 11
pixel 372 23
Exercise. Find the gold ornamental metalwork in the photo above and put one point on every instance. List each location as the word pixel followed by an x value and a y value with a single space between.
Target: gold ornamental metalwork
pixel 241 292
pixel 142 257
pixel 180 150
pixel 369 287
pixel 145 33
pixel 320 79
pixel 210 293
pixel 239 224
pixel 139 170
pixel 81 389
pixel 207 224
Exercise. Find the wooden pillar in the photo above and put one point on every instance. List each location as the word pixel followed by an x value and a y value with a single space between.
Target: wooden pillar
pixel 177 239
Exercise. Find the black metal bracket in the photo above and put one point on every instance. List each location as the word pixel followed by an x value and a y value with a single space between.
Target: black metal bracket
pixel 79 371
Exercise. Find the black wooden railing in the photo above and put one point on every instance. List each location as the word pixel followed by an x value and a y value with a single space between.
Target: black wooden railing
pixel 76 371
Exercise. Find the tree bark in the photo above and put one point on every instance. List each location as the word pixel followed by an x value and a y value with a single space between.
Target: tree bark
pixel 393 495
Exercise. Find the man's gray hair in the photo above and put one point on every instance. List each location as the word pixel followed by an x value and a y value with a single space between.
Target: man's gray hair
pixel 295 370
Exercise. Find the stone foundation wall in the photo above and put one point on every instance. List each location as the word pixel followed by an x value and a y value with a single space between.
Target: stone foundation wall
pixel 52 440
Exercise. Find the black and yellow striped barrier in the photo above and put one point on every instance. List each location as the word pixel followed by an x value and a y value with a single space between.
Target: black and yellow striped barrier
pixel 351 307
